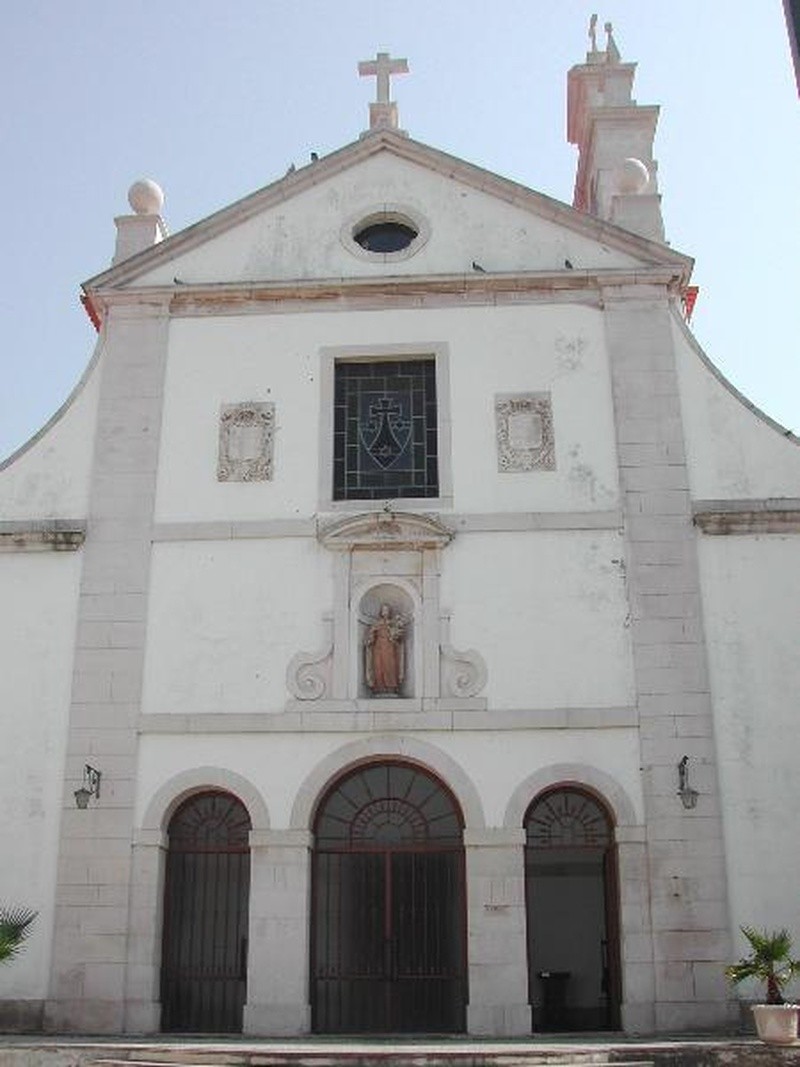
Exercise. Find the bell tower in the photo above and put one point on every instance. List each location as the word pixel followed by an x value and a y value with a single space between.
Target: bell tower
pixel 617 175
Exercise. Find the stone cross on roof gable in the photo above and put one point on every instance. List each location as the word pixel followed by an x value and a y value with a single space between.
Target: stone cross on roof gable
pixel 383 111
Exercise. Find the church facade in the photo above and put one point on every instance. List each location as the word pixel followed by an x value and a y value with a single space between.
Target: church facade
pixel 402 629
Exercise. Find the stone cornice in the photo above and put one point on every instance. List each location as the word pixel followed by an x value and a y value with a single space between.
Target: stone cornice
pixel 235 297
pixel 41 535
pixel 371 716
pixel 771 516
pixel 458 522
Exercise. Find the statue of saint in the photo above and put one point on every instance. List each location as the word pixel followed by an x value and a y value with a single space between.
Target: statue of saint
pixel 384 653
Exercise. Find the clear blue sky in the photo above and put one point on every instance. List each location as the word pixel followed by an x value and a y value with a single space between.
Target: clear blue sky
pixel 215 100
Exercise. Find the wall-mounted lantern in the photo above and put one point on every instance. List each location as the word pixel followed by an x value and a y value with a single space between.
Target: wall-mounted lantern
pixel 685 792
pixel 90 787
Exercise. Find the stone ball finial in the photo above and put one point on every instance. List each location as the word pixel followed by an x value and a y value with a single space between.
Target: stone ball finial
pixel 146 197
pixel 631 177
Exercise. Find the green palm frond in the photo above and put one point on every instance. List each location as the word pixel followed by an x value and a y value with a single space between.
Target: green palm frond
pixel 15 926
pixel 769 961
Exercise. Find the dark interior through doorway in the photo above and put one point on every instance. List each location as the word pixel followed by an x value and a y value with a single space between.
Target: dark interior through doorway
pixel 571 904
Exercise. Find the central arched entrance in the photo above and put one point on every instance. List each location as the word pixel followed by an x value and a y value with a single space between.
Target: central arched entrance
pixel 388 934
pixel 572 912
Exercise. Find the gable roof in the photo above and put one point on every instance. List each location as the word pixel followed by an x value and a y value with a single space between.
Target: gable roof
pixel 648 253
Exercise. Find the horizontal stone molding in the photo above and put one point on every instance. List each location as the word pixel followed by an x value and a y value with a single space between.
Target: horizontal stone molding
pixel 480 522
pixel 768 516
pixel 513 521
pixel 42 535
pixel 188 297
pixel 368 716
pixel 233 531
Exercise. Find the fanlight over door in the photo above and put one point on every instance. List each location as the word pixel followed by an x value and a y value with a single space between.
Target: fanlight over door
pixel 572 913
pixel 388 935
pixel 206 894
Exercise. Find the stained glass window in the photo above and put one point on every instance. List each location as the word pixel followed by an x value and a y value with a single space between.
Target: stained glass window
pixel 385 438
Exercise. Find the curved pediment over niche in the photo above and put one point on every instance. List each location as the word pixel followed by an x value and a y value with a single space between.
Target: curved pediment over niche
pixel 382 530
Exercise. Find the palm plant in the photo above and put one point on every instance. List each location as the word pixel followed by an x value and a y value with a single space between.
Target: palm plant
pixel 769 961
pixel 15 925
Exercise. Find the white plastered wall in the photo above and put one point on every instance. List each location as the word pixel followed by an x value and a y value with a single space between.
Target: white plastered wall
pixel 301 237
pixel 37 633
pixel 225 619
pixel 751 590
pixel 490 350
pixel 48 477
pixel 547 611
pixel 279 764
pixel 733 450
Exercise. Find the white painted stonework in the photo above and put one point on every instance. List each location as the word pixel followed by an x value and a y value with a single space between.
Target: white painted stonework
pixel 570 628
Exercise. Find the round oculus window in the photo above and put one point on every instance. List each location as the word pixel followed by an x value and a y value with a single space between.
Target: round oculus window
pixel 385 235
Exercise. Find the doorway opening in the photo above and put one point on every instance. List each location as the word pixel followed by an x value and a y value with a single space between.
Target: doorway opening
pixel 206 898
pixel 572 913
pixel 388 937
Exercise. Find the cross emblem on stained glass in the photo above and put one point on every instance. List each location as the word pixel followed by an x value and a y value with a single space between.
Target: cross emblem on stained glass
pixel 385 433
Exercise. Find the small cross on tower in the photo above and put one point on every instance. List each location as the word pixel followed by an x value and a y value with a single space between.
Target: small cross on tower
pixel 383 111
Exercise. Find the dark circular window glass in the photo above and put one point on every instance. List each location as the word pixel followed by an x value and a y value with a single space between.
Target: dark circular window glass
pixel 385 236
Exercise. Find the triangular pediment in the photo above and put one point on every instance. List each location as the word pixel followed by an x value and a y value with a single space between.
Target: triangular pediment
pixel 300 228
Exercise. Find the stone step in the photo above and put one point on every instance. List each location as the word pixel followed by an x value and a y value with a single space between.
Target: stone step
pixel 100 1054
pixel 374 1057
pixel 557 1052
pixel 553 1059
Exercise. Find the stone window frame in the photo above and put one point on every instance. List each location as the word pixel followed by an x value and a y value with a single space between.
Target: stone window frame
pixel 329 357
pixel 511 459
pixel 259 468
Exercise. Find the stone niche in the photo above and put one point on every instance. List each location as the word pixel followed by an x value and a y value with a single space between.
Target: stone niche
pixel 387 570
pixel 384 624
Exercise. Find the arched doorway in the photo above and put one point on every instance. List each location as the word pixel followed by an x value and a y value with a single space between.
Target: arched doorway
pixel 572 912
pixel 388 935
pixel 206 896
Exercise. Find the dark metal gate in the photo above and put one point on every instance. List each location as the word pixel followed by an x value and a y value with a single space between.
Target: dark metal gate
pixel 388 940
pixel 204 953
